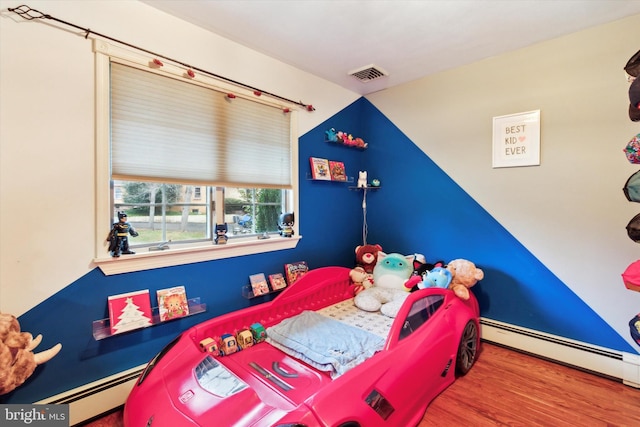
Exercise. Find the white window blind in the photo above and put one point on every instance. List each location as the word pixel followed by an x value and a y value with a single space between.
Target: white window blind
pixel 165 129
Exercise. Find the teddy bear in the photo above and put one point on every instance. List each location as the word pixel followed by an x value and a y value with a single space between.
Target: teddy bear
pixel 388 291
pixel 464 274
pixel 367 256
pixel 17 360
pixel 361 279
pixel 362 274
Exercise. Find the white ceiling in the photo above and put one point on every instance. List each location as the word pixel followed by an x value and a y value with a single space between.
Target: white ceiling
pixel 408 39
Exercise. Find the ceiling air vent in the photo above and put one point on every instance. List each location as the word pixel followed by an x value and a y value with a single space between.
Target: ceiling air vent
pixel 368 73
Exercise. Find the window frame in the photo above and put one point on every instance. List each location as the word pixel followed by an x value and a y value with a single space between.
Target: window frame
pixel 186 253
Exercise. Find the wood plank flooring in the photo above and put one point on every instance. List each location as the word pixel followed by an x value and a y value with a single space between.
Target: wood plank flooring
pixel 507 388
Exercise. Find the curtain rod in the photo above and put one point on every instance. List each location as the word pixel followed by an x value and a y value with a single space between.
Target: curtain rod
pixel 29 14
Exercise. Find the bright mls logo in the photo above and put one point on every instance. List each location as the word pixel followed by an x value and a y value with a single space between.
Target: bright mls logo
pixel 34 415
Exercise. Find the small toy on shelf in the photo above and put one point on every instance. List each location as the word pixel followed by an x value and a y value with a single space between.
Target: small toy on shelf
pixel 344 138
pixel 285 225
pixel 229 344
pixel 221 234
pixel 375 182
pixel 210 345
pixel 362 179
pixel 118 237
pixel 244 338
pixel 259 332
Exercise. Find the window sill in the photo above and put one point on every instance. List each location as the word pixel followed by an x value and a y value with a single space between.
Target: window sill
pixel 187 255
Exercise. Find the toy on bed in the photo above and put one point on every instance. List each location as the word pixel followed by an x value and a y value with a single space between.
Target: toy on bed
pixel 362 274
pixel 389 278
pixel 464 274
pixel 438 277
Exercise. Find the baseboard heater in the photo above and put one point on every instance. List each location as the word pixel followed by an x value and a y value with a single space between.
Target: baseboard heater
pixel 598 360
pixel 108 393
pixel 98 397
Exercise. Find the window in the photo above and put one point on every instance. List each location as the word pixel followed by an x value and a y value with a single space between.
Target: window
pixel 180 157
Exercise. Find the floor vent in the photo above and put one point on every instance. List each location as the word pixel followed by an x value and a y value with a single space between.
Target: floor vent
pixel 368 73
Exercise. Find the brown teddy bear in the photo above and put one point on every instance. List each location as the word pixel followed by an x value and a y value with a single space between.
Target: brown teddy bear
pixel 367 256
pixel 464 274
pixel 17 360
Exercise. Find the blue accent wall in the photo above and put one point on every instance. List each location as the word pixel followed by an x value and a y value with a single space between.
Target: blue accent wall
pixel 419 208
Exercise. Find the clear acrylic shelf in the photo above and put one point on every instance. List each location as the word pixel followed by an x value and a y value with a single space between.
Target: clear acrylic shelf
pixel 102 328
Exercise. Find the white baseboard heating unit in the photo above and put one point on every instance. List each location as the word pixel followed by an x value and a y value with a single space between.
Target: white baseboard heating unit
pixel 599 360
pixel 102 396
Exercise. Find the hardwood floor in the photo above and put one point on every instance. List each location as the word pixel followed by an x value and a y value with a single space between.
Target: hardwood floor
pixel 507 388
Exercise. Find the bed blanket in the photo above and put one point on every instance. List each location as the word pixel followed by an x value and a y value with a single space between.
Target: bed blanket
pixel 326 344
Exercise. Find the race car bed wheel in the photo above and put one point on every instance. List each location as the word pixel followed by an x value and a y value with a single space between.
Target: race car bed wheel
pixel 468 348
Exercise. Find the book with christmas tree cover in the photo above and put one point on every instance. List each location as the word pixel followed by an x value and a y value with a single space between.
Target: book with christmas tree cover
pixel 129 311
pixel 172 303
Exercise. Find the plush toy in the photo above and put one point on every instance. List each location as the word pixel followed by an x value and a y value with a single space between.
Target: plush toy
pixel 465 274
pixel 389 277
pixel 17 360
pixel 367 256
pixel 331 135
pixel 361 279
pixel 362 179
pixel 438 277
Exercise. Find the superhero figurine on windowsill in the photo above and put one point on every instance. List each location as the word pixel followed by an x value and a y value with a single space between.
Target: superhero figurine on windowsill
pixel 118 237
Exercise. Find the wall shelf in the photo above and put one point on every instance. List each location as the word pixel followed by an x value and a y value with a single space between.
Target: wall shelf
pixel 102 327
pixel 339 142
pixel 247 292
pixel 350 179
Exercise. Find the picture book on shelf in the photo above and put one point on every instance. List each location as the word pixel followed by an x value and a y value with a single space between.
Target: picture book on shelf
pixel 277 281
pixel 129 311
pixel 259 284
pixel 295 270
pixel 172 303
pixel 320 168
pixel 337 171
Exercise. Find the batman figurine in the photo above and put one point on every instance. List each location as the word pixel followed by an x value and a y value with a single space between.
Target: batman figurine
pixel 119 236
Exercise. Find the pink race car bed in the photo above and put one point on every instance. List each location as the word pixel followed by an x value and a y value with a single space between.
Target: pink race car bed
pixel 323 362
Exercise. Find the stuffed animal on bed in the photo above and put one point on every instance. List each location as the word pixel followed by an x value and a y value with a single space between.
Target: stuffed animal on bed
pixel 464 274
pixel 389 277
pixel 367 256
pixel 361 279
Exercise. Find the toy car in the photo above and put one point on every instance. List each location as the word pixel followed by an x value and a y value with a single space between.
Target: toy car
pixel 383 377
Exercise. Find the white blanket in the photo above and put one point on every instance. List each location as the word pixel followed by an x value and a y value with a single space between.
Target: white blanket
pixel 324 343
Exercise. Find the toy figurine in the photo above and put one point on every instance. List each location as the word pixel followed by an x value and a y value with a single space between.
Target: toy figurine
pixel 286 224
pixel 119 236
pixel 244 339
pixel 221 234
pixel 229 345
pixel 259 332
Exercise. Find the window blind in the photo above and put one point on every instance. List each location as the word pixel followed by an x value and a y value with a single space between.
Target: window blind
pixel 168 130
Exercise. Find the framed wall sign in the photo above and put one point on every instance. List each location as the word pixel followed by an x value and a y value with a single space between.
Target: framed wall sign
pixel 516 140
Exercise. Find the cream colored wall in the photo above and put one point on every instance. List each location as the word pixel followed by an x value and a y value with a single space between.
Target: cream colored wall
pixel 570 211
pixel 47 212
